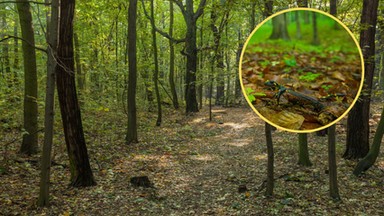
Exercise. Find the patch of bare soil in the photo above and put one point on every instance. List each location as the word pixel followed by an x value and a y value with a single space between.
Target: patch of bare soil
pixel 196 167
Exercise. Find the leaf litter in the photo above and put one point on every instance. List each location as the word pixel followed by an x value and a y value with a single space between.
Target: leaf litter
pixel 197 167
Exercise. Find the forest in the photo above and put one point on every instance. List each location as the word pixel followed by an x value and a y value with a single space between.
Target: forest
pixel 145 107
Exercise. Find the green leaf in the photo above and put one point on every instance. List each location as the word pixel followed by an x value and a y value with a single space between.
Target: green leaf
pixel 309 77
pixel 251 98
pixel 290 62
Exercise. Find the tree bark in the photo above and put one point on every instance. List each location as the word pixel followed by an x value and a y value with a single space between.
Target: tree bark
pixel 332 7
pixel 156 62
pixel 373 153
pixel 298 26
pixel 16 65
pixel 80 76
pixel 218 58
pixel 268 8
pixel 279 30
pixel 316 40
pixel 29 144
pixel 131 136
pixel 191 53
pixel 270 163
pixel 357 126
pixel 5 54
pixel 238 95
pixel 303 150
pixel 81 173
pixel 52 33
pixel 252 23
pixel 333 187
pixel 175 101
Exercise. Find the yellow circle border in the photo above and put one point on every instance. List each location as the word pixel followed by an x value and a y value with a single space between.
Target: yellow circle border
pixel 362 70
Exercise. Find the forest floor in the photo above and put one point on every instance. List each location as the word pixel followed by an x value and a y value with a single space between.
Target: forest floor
pixel 196 167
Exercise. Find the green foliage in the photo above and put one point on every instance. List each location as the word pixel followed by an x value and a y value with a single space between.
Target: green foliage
pixel 332 40
pixel 249 92
pixel 309 77
pixel 265 63
pixel 290 62
pixel 326 87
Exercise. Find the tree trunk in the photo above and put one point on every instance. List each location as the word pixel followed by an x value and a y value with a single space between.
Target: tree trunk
pixel 303 150
pixel 156 72
pixel 302 3
pixel 333 188
pixel 358 127
pixel 268 10
pixel 80 76
pixel 201 67
pixel 218 59
pixel 81 173
pixel 228 90
pixel 220 82
pixel 373 153
pixel 316 40
pixel 270 163
pixel 279 30
pixel 5 54
pixel 16 65
pixel 172 60
pixel 332 7
pixel 52 33
pixel 298 27
pixel 29 144
pixel 238 95
pixel 210 91
pixel 131 136
pixel 252 23
pixel 191 52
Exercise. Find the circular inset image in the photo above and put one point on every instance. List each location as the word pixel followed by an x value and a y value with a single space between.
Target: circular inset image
pixel 301 70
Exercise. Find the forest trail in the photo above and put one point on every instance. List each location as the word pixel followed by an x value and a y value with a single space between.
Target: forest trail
pixel 196 167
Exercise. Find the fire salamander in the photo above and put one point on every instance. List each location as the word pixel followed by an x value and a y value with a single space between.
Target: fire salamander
pixel 294 97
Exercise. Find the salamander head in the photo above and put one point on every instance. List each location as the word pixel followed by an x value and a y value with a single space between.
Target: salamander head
pixel 271 83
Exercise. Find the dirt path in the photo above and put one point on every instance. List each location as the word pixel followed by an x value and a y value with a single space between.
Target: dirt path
pixel 196 167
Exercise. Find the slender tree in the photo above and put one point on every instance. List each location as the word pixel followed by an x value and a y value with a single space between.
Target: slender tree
pixel 200 77
pixel 270 161
pixel 358 117
pixel 298 26
pixel 279 30
pixel 238 54
pixel 156 62
pixel 190 50
pixel 252 22
pixel 268 129
pixel 5 49
pixel 52 34
pixel 29 144
pixel 80 77
pixel 218 49
pixel 131 136
pixel 315 40
pixel 268 8
pixel 333 7
pixel 333 187
pixel 373 153
pixel 16 65
pixel 175 101
pixel 81 173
